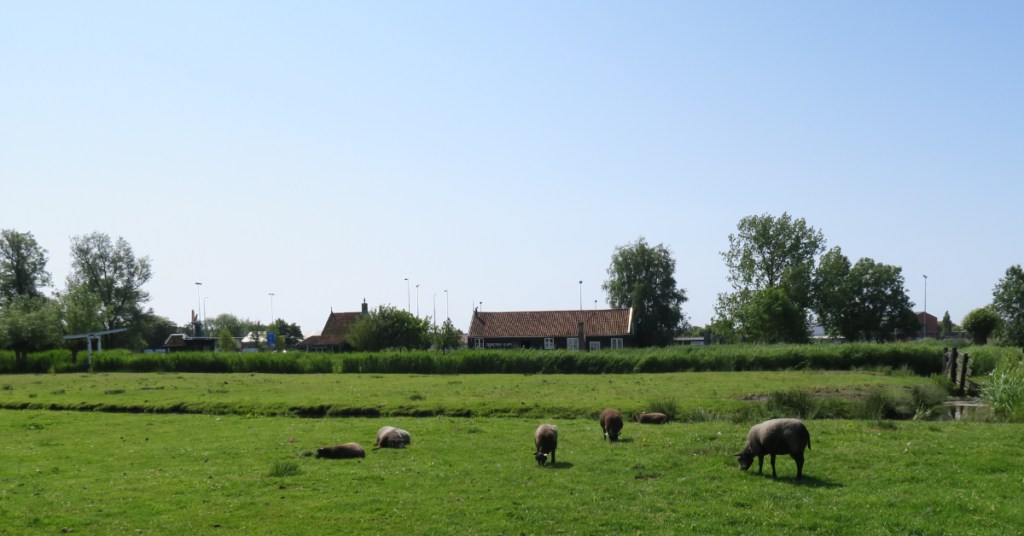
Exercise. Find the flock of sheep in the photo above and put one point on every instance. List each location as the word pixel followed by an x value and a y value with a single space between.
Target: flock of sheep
pixel 772 437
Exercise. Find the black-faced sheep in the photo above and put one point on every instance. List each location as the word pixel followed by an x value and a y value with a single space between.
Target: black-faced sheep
pixel 546 440
pixel 651 418
pixel 611 424
pixel 777 436
pixel 346 450
pixel 390 437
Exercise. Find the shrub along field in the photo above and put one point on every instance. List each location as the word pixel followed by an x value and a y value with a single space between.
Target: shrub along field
pixel 115 473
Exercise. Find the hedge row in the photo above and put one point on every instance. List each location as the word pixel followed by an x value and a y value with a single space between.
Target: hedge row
pixel 922 359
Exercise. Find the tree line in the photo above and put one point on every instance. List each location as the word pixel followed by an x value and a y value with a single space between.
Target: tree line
pixel 782 277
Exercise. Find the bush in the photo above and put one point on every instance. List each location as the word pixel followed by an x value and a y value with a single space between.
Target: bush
pixel 794 403
pixel 1005 390
pixel 887 404
pixel 667 405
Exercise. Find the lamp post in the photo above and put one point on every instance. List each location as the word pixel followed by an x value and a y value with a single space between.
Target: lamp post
pixel 446 315
pixel 417 300
pixel 408 296
pixel 433 317
pixel 581 295
pixel 271 294
pixel 199 305
pixel 204 311
pixel 925 318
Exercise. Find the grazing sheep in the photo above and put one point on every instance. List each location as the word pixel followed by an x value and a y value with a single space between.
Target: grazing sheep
pixel 390 437
pixel 651 418
pixel 347 450
pixel 611 423
pixel 777 436
pixel 546 440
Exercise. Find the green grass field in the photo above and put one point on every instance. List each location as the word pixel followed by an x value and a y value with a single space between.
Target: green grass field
pixel 537 396
pixel 248 470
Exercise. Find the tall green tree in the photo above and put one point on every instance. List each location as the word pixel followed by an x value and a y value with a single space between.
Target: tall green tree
pixel 947 325
pixel 29 324
pixel 110 270
pixel 981 323
pixel 22 266
pixel 865 301
pixel 643 277
pixel 389 327
pixel 79 313
pixel 446 336
pixel 1008 302
pixel 769 252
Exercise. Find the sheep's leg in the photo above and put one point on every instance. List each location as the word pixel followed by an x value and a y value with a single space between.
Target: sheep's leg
pixel 760 463
pixel 799 457
pixel 773 466
pixel 552 457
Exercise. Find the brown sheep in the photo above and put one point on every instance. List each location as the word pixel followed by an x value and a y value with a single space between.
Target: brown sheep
pixel 546 440
pixel 651 418
pixel 390 437
pixel 777 436
pixel 611 424
pixel 346 450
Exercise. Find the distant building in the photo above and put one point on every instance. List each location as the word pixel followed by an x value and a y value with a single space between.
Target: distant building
pixel 550 330
pixel 930 323
pixel 181 342
pixel 334 337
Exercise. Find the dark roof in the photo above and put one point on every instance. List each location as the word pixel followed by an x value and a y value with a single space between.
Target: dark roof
pixel 596 323
pixel 335 332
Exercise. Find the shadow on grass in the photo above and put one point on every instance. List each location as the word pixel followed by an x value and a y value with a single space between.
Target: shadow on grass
pixel 558 465
pixel 623 440
pixel 806 481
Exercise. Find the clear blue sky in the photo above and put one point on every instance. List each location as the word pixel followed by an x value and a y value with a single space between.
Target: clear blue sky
pixel 326 151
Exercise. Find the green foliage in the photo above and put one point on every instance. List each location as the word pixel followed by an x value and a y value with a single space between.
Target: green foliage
pixel 283 468
pixel 981 323
pixel 446 336
pixel 1008 302
pixel 770 253
pixel 29 324
pixel 22 266
pixel 225 342
pixel 643 277
pixel 668 405
pixel 887 403
pixel 794 403
pixel 1004 391
pixel 389 327
pixel 947 325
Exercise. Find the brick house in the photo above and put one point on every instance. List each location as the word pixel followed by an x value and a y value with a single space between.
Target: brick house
pixel 930 323
pixel 334 336
pixel 550 330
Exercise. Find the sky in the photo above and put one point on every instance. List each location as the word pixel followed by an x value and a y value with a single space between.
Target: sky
pixel 441 156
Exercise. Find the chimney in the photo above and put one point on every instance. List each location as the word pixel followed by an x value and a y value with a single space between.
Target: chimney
pixel 366 308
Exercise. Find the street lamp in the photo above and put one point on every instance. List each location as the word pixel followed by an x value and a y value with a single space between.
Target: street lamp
pixel 581 295
pixel 446 315
pixel 925 318
pixel 204 311
pixel 199 306
pixel 417 300
pixel 271 294
pixel 408 296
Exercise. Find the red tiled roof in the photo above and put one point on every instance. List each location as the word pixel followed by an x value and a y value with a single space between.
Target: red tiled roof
pixel 335 332
pixel 596 323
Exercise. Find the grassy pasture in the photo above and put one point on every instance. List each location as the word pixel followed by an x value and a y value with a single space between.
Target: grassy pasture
pixel 115 473
pixel 536 396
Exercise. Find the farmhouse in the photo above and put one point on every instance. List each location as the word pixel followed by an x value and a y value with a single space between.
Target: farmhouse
pixel 572 330
pixel 334 337
pixel 930 323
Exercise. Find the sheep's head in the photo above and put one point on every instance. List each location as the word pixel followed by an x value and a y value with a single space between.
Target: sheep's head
pixel 319 452
pixel 541 457
pixel 745 459
pixel 613 435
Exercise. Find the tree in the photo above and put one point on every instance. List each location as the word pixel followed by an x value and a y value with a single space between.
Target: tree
pixel 79 313
pixel 867 300
pixel 446 336
pixel 770 253
pixel 1008 302
pixel 388 327
pixel 947 325
pixel 22 266
pixel 29 324
pixel 770 316
pixel 110 270
pixel 643 277
pixel 225 341
pixel 981 323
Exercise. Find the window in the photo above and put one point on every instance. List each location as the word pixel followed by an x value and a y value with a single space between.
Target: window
pixel 595 345
pixel 478 343
pixel 616 343
pixel 572 343
pixel 549 343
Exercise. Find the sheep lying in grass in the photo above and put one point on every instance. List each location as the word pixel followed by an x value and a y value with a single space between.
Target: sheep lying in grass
pixel 777 436
pixel 346 450
pixel 390 437
pixel 611 424
pixel 651 418
pixel 546 440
